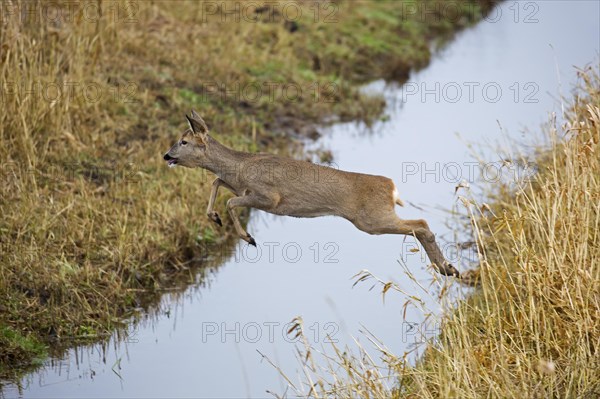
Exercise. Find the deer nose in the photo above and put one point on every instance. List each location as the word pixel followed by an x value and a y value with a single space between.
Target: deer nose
pixel 167 157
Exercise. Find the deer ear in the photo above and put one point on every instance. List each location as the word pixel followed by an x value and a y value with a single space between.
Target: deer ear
pixel 195 115
pixel 197 123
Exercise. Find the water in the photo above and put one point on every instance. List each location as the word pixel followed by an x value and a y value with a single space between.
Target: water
pixel 205 343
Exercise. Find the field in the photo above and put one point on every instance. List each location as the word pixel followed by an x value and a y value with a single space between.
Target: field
pixel 94 226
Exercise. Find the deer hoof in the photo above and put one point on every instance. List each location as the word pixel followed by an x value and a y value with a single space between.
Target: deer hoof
pixel 250 240
pixel 215 218
pixel 449 270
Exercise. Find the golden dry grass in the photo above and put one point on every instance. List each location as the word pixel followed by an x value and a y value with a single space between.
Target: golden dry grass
pixel 533 328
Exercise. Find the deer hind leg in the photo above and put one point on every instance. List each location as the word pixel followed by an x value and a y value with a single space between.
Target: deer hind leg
pixel 248 201
pixel 392 224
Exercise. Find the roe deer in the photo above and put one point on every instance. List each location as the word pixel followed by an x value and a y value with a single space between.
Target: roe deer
pixel 285 186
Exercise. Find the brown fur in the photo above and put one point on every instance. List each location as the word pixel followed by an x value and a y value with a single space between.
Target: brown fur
pixel 285 186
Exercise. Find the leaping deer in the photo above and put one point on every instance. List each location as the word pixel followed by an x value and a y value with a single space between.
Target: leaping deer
pixel 285 186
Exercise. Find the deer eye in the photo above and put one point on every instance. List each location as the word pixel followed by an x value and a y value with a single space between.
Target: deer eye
pixel 183 142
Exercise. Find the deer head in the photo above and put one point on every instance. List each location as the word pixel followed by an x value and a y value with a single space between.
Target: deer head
pixel 190 150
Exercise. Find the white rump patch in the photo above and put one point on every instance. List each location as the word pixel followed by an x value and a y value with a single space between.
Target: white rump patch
pixel 397 199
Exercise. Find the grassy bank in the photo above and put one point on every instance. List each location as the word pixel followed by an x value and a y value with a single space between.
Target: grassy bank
pixel 93 224
pixel 531 328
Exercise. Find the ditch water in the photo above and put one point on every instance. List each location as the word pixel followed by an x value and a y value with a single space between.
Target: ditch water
pixel 500 78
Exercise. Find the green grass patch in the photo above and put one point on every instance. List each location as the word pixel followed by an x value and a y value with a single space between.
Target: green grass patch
pixel 20 350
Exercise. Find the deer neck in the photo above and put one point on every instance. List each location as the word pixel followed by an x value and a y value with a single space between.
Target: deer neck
pixel 224 162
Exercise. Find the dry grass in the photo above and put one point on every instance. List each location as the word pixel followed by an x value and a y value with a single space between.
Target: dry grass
pixel 92 221
pixel 532 328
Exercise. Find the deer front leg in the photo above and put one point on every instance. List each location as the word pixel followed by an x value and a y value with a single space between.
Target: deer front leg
pixel 212 215
pixel 247 201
